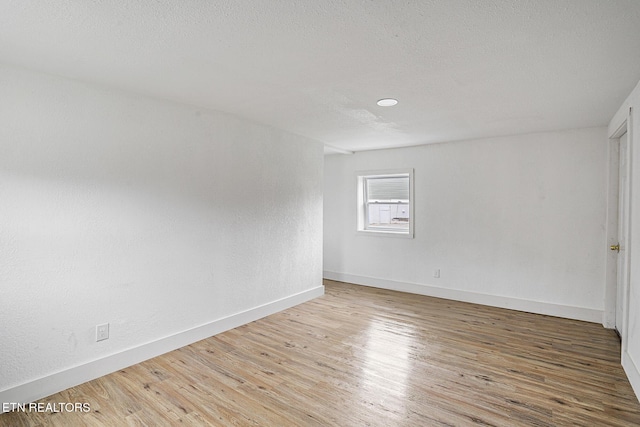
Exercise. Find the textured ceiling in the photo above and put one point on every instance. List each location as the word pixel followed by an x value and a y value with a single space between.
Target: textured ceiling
pixel 460 68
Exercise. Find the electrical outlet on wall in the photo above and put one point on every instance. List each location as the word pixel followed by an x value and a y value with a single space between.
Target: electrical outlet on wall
pixel 102 332
pixel 436 273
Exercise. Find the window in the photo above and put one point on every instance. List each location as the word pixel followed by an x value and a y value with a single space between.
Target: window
pixel 385 204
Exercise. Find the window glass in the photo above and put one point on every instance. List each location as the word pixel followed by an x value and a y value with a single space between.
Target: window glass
pixel 387 202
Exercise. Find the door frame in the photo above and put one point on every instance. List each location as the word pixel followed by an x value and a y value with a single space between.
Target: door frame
pixel 611 265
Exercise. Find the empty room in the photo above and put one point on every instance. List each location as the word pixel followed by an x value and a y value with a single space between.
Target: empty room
pixel 320 213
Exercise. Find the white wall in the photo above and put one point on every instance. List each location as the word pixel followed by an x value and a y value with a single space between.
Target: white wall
pixel 630 112
pixel 516 222
pixel 169 222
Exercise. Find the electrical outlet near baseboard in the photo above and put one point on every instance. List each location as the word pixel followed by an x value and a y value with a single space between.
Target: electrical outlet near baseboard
pixel 102 332
pixel 436 273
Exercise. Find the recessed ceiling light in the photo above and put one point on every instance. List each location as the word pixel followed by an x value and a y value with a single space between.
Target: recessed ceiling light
pixel 387 102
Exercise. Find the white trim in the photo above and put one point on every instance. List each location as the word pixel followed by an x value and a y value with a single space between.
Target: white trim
pixel 621 129
pixel 630 368
pixel 629 226
pixel 381 173
pixel 611 257
pixel 56 382
pixel 549 309
pixel 385 233
pixel 633 373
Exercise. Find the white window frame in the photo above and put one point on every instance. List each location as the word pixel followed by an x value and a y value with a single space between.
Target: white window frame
pixel 362 219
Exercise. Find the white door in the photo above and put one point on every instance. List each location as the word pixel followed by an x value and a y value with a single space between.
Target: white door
pixel 623 209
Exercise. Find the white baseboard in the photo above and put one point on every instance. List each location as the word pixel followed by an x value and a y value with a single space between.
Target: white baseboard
pixel 62 380
pixel 631 369
pixel 557 310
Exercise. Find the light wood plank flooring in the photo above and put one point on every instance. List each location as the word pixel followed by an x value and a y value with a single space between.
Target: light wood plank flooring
pixel 360 356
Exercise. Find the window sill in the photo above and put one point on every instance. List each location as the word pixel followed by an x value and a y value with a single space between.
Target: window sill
pixel 385 233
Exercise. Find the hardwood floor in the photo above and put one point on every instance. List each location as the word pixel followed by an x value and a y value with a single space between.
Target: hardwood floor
pixel 360 356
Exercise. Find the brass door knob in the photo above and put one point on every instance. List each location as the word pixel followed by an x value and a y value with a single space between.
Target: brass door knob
pixel 615 247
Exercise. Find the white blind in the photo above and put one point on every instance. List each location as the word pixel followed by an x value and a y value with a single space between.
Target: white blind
pixel 388 189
